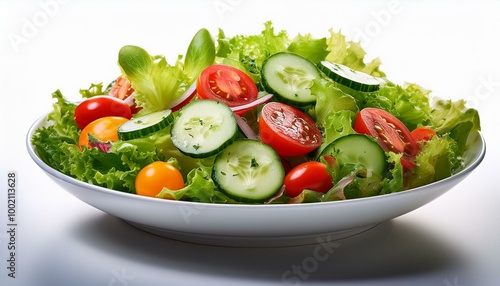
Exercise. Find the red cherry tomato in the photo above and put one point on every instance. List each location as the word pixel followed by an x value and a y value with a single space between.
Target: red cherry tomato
pixel 309 175
pixel 154 177
pixel 100 106
pixel 391 133
pixel 288 130
pixel 226 84
pixel 422 134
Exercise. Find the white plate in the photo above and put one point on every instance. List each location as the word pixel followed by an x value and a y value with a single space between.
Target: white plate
pixel 257 225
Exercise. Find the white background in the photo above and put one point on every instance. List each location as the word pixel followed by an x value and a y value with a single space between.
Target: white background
pixel 450 47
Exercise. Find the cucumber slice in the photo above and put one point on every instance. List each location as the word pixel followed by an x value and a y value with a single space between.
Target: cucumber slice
pixel 203 128
pixel 289 77
pixel 346 76
pixel 145 125
pixel 248 171
pixel 358 149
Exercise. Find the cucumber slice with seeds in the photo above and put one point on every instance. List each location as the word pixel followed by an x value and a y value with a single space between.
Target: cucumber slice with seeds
pixel 358 149
pixel 248 171
pixel 346 76
pixel 203 128
pixel 145 125
pixel 290 77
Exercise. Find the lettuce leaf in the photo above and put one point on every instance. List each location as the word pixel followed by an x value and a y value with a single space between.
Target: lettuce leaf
pixel 310 48
pixel 455 118
pixel 248 52
pixel 351 54
pixel 200 54
pixel 394 180
pixel 51 142
pixel 334 111
pixel 156 83
pixel 439 158
pixel 93 90
pixel 350 181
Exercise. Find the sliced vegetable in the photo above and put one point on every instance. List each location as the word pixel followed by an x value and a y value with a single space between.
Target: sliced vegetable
pixel 121 88
pixel 244 108
pixel 348 77
pixel 245 128
pixel 422 134
pixel 358 149
pixel 184 99
pixel 290 77
pixel 248 171
pixel 100 106
pixel 226 84
pixel 104 129
pixel 309 175
pixel 203 128
pixel 145 125
pixel 288 130
pixel 151 179
pixel 390 132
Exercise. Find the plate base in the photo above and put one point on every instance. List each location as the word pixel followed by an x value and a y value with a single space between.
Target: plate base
pixel 252 241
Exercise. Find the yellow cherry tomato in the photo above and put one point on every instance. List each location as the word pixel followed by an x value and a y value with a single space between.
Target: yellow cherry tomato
pixel 104 129
pixel 154 177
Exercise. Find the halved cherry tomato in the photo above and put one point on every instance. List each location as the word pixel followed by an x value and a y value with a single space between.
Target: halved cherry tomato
pixel 309 175
pixel 226 84
pixel 100 106
pixel 422 134
pixel 288 130
pixel 154 177
pixel 122 89
pixel 104 128
pixel 391 133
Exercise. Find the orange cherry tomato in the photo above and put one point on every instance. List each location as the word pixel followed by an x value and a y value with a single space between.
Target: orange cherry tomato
pixel 158 175
pixel 104 128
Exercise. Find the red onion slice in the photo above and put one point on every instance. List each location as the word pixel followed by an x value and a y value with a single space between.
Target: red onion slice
pixel 252 104
pixel 184 98
pixel 245 128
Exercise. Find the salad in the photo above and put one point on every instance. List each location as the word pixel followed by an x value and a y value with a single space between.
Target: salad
pixel 264 118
